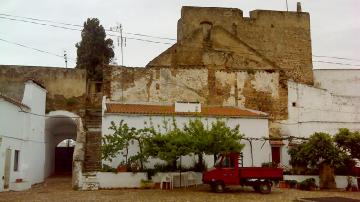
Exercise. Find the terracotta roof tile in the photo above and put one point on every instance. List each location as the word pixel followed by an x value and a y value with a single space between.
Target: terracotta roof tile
pixel 170 110
pixel 13 101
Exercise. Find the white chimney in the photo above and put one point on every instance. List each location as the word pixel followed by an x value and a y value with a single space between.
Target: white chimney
pixel 187 107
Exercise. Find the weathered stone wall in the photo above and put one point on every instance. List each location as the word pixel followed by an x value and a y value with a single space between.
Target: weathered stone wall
pixel 66 88
pixel 259 90
pixel 222 38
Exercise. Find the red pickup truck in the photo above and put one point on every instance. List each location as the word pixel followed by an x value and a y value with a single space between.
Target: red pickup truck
pixel 227 171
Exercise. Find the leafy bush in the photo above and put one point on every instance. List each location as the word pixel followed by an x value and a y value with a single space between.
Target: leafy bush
pixel 107 168
pixel 308 184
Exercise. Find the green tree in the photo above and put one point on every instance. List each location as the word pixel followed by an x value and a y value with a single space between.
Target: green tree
pixel 199 136
pixel 223 138
pixel 94 51
pixel 319 152
pixel 349 141
pixel 118 142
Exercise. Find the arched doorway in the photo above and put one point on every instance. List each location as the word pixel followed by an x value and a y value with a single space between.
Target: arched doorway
pixel 61 132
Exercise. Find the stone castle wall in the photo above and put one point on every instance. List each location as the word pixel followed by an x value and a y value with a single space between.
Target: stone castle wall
pixel 66 88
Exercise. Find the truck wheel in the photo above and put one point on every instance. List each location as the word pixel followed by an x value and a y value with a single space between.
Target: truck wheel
pixel 265 188
pixel 219 187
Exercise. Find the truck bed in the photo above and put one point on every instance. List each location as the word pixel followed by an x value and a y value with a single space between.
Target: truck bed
pixel 260 173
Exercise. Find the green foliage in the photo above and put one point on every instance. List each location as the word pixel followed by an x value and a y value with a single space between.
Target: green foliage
pixel 308 184
pixel 107 168
pixel 94 51
pixel 173 143
pixel 349 141
pixel 120 140
pixel 320 148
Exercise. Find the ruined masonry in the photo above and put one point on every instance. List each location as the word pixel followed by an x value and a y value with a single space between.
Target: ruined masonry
pixel 220 58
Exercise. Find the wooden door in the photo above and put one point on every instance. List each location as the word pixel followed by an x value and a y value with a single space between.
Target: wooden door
pixel 275 154
pixel 7 169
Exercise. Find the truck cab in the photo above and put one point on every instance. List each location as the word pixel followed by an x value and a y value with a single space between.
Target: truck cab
pixel 228 170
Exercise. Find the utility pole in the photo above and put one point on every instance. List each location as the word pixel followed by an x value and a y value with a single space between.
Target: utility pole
pixel 287 7
pixel 65 58
pixel 121 41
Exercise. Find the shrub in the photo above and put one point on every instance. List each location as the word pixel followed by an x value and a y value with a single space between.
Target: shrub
pixel 308 184
pixel 107 168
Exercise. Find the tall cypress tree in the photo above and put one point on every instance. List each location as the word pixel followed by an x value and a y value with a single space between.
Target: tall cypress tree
pixel 94 51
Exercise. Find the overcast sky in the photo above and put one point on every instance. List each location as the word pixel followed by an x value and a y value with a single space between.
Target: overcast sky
pixel 335 27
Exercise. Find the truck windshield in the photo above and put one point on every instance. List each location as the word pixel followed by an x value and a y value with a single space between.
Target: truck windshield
pixel 218 161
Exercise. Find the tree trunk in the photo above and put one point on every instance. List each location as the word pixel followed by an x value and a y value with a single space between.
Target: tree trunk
pixel 327 178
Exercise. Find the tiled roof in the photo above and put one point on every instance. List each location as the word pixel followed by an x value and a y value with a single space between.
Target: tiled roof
pixel 13 101
pixel 170 110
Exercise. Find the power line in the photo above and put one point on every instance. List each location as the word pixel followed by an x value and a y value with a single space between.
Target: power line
pixel 336 63
pixel 73 29
pixel 35 49
pixel 333 57
pixel 81 26
pixel 156 42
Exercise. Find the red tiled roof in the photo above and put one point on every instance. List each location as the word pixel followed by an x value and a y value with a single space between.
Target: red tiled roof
pixel 13 101
pixel 170 110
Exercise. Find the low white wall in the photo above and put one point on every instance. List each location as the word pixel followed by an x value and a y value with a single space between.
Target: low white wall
pixel 109 180
pixel 120 180
pixel 341 181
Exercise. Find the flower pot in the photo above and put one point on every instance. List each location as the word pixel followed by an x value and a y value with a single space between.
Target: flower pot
pixel 121 169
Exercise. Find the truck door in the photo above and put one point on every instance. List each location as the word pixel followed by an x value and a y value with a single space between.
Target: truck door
pixel 229 171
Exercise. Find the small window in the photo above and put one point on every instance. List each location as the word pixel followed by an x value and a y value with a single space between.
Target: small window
pixel 16 160
pixel 294 104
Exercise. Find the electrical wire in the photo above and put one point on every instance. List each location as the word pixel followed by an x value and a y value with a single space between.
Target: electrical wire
pixel 81 26
pixel 10 17
pixel 35 49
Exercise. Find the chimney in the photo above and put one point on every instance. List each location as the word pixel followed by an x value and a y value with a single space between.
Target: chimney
pixel 298 7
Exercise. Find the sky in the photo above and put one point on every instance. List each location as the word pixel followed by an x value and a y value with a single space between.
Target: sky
pixel 335 28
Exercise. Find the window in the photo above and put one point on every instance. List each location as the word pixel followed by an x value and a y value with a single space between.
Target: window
pixel 16 160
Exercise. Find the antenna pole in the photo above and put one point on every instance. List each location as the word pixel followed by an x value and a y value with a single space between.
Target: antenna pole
pixel 65 58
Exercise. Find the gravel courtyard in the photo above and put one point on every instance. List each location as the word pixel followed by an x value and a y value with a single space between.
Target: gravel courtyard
pixel 59 189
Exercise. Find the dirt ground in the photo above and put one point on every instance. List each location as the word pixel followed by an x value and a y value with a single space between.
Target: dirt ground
pixel 59 189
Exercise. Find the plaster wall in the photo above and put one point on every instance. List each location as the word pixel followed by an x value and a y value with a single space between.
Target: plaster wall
pixel 66 88
pixel 249 127
pixel 345 82
pixel 24 132
pixel 341 181
pixel 259 90
pixel 313 110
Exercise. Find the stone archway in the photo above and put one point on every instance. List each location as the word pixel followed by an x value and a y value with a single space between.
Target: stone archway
pixel 59 126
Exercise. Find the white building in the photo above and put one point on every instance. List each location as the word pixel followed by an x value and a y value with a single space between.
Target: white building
pixel 332 103
pixel 22 135
pixel 252 124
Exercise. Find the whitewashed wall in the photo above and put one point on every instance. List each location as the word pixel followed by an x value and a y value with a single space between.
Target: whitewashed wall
pixel 344 82
pixel 318 110
pixel 24 132
pixel 341 181
pixel 248 126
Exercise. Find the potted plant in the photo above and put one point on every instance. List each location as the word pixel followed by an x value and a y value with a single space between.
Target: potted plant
pixel 293 184
pixel 308 184
pixel 122 167
pixel 351 186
